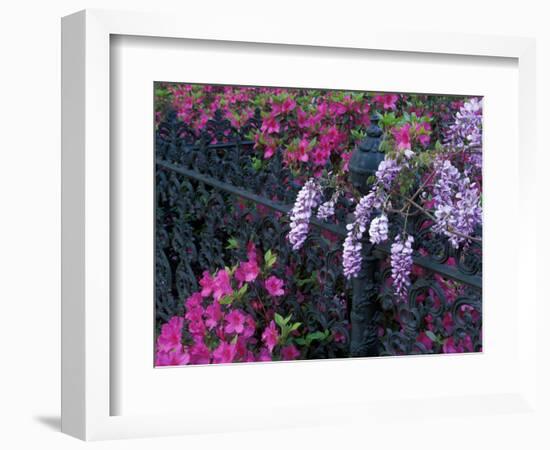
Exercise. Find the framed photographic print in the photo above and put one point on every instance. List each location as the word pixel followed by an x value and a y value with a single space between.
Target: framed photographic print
pixel 284 230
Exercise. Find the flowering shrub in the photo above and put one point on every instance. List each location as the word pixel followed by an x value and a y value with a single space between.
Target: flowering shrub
pixel 315 129
pixel 235 318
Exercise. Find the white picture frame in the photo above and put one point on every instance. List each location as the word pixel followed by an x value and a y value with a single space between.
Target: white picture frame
pixel 87 386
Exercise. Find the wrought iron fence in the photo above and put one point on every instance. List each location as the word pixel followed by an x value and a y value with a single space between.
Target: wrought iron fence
pixel 211 188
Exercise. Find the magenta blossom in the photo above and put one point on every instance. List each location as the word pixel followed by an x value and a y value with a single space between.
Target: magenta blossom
pixel 194 301
pixel 402 137
pixel 270 125
pixel 289 352
pixel 387 101
pixel 251 252
pixel 249 327
pixel 265 355
pixel 213 315
pixel 199 353
pixel 225 353
pixel 274 286
pixel 170 337
pixel 285 107
pixel 270 336
pixel 207 283
pixel 217 287
pixel 235 322
pixel 247 271
pixel 174 358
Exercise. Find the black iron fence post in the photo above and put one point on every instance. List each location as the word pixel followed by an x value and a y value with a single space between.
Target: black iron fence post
pixel 363 164
pixel 363 307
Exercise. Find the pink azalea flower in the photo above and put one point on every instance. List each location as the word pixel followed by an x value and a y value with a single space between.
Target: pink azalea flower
pixel 222 285
pixel 322 109
pixel 235 322
pixel 288 105
pixel 270 336
pixel 337 109
pixel 173 358
pixel 194 301
pixel 225 353
pixel 274 286
pixel 241 352
pixel 345 159
pixel 213 315
pixel 264 355
pixel 402 137
pixel 270 125
pixel 247 271
pixel 387 101
pixel 303 121
pixel 289 352
pixel 251 252
pixel 269 151
pixel 197 326
pixel 320 156
pixel 170 337
pixel 199 353
pixel 249 327
pixel 423 131
pixel 302 151
pixel 207 283
pixel 285 107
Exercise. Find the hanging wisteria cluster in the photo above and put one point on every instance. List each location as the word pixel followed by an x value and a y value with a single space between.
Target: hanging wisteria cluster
pixel 447 192
pixel 466 130
pixel 465 134
pixel 456 203
pixel 401 264
pixel 308 198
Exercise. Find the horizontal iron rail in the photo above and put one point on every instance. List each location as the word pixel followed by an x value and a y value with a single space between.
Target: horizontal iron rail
pixel 380 250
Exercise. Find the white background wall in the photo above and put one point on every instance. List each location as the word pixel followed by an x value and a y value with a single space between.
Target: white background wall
pixel 30 199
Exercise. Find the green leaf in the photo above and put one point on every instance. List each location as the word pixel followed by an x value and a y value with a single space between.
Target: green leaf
pixel 316 335
pixel 270 259
pixel 226 300
pixel 432 336
pixel 256 164
pixel 295 326
pixel 232 244
pixel 242 291
pixel 230 270
pixel 279 320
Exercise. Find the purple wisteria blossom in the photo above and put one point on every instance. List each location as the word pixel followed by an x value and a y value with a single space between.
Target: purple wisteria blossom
pixel 326 210
pixel 388 169
pixel 378 230
pixel 401 264
pixel 308 198
pixel 456 203
pixel 352 244
pixel 466 131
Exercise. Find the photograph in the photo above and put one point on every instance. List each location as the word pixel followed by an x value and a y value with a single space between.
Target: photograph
pixel 303 223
